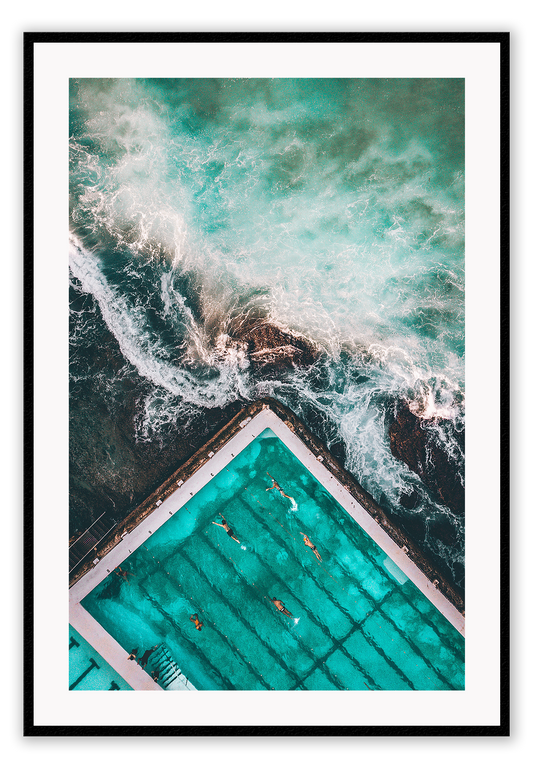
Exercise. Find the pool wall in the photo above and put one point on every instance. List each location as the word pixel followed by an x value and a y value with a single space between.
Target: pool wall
pixel 175 492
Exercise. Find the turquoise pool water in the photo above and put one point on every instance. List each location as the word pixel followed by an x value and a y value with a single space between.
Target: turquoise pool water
pixel 88 671
pixel 356 622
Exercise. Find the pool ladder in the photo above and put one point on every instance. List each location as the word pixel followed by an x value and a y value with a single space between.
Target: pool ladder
pixel 164 667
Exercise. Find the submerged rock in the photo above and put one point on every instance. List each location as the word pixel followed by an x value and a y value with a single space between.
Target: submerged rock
pixel 412 441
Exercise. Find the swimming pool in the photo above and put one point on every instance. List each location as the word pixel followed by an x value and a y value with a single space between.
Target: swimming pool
pixel 88 671
pixel 356 620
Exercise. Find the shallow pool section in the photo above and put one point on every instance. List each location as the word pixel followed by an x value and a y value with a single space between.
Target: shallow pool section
pixel 355 620
pixel 88 671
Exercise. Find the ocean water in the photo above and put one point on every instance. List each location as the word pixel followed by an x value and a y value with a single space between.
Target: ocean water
pixel 332 208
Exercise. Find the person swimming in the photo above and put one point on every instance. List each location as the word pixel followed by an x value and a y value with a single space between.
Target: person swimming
pixel 133 654
pixel 226 527
pixel 197 623
pixel 281 607
pixel 309 544
pixel 276 486
pixel 122 573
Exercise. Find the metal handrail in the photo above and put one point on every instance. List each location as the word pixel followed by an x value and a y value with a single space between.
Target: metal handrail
pixel 87 530
pixel 99 540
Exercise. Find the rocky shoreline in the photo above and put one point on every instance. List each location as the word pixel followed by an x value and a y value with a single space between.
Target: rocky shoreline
pixel 112 472
pixel 415 442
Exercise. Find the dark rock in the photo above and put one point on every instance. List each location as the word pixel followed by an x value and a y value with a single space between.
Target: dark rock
pixel 111 471
pixel 413 526
pixel 269 345
pixel 444 531
pixel 338 451
pixel 459 574
pixel 412 443
pixel 410 501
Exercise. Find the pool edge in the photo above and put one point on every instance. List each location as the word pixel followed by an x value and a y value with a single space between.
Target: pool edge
pixel 318 450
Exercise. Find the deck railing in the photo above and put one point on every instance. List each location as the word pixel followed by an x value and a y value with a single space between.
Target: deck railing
pixel 87 542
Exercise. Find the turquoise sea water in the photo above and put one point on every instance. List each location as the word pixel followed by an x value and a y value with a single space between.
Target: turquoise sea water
pixel 356 622
pixel 332 207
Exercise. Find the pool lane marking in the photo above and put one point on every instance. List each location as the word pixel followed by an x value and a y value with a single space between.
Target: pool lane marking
pixel 211 621
pixel 288 531
pixel 419 652
pixel 296 540
pixel 348 574
pixel 246 579
pixel 266 596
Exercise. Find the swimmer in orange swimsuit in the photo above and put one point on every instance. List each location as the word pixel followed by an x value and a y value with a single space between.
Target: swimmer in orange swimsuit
pixel 197 623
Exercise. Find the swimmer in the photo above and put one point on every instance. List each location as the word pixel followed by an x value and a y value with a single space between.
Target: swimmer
pixel 197 623
pixel 122 573
pixel 146 655
pixel 226 528
pixel 277 486
pixel 133 654
pixel 309 544
pixel 281 607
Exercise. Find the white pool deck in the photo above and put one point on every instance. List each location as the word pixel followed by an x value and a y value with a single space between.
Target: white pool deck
pixel 250 429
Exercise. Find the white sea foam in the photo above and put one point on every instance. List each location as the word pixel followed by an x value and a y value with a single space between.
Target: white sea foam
pixel 139 346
